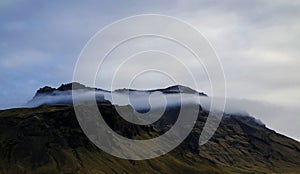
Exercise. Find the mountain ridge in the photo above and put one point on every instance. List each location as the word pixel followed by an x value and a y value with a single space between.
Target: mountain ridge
pixel 77 85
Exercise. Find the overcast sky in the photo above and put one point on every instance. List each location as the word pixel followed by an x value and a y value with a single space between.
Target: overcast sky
pixel 258 43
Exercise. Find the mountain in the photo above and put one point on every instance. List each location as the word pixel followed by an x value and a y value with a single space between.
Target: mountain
pixel 169 90
pixel 139 99
pixel 77 86
pixel 48 139
pixel 61 95
pixel 47 90
pixel 64 87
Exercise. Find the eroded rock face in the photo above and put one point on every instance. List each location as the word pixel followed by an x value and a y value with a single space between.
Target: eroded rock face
pixel 47 90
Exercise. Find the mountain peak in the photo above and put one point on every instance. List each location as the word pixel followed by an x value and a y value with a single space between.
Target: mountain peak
pixel 76 85
pixel 63 94
pixel 168 90
pixel 45 90
pixel 182 89
pixel 70 86
pixel 63 87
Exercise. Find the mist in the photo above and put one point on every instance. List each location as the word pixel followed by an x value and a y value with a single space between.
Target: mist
pixel 273 116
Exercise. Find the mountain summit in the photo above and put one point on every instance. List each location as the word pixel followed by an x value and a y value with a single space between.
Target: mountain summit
pixel 76 86
pixel 168 90
pixel 64 87
pixel 63 94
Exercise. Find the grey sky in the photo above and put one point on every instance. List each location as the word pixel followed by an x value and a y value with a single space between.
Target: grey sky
pixel 256 41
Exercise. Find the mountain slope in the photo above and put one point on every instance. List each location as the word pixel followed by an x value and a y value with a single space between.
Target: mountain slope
pixel 48 139
pixel 243 147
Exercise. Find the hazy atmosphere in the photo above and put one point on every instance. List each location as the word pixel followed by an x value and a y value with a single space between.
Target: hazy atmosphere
pixel 257 44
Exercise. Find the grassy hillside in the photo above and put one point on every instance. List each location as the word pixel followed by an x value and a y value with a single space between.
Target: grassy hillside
pixel 48 139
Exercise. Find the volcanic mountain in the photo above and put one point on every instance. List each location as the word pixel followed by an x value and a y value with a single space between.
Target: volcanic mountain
pixel 48 139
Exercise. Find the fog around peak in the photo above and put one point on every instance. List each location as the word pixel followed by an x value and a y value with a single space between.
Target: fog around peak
pixel 273 116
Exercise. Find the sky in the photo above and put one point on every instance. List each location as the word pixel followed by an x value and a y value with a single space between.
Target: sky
pixel 257 43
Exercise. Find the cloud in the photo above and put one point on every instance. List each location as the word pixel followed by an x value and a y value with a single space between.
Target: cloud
pixel 274 116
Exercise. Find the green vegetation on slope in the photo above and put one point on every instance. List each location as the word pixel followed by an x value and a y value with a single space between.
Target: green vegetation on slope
pixel 48 139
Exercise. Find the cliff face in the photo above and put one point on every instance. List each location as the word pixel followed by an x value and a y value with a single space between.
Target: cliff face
pixel 47 90
pixel 48 139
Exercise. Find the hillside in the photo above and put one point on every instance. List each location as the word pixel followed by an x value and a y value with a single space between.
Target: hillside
pixel 48 139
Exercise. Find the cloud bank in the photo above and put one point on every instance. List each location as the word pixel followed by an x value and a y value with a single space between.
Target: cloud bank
pixel 274 116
